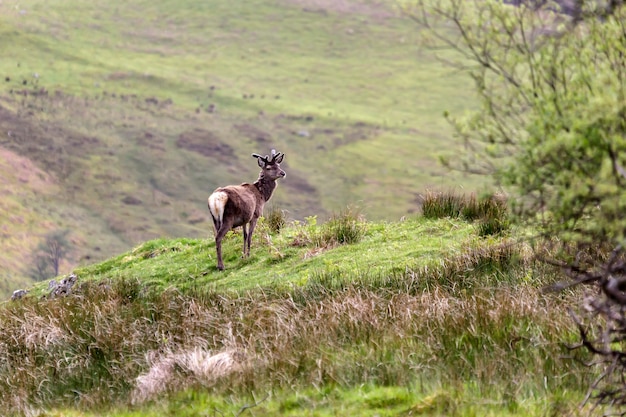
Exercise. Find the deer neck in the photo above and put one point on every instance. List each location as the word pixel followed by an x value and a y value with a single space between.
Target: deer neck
pixel 265 186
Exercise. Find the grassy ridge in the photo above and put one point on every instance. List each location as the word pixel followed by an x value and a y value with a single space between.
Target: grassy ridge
pixel 413 317
pixel 282 259
pixel 164 101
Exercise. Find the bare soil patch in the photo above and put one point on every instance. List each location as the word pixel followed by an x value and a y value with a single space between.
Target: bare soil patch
pixel 205 143
pixel 262 137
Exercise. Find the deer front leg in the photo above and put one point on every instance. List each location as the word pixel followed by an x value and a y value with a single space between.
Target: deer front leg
pixel 248 240
pixel 245 240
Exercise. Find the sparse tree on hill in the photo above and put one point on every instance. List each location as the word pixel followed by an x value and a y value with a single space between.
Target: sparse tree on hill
pixel 48 255
pixel 551 127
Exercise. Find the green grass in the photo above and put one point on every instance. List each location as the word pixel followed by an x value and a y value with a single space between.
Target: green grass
pixel 278 260
pixel 366 401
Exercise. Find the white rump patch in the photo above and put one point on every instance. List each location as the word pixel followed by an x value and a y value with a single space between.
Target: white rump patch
pixel 217 202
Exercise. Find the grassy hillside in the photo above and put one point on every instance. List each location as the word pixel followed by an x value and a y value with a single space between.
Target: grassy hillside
pixel 418 317
pixel 134 111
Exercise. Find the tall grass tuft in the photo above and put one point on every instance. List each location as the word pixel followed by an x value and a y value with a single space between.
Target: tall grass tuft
pixel 347 227
pixel 275 219
pixel 490 211
pixel 441 205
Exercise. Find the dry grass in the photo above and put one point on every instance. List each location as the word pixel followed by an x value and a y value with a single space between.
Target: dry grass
pixel 176 370
pixel 120 343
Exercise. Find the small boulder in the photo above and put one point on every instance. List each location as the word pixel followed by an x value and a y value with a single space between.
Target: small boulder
pixel 18 294
pixel 64 287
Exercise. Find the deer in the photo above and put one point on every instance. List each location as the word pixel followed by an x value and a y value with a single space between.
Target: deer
pixel 242 205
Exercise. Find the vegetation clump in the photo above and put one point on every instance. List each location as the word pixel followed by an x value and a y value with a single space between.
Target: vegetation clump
pixel 347 227
pixel 275 219
pixel 490 211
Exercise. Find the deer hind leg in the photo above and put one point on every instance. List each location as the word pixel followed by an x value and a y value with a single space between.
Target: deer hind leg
pixel 217 203
pixel 219 235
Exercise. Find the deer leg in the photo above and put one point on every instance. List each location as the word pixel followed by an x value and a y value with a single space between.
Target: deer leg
pixel 245 239
pixel 221 232
pixel 248 241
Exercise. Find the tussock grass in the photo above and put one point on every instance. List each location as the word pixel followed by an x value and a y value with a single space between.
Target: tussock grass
pixel 346 227
pixel 173 371
pixel 439 205
pixel 490 211
pixel 275 219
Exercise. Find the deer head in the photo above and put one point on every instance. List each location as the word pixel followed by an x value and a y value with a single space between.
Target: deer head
pixel 270 165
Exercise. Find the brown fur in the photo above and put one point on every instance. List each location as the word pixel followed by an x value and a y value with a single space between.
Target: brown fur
pixel 244 203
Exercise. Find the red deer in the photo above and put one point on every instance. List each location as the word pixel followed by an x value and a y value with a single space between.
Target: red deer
pixel 241 205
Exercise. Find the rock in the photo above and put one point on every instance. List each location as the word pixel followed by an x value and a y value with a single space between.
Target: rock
pixel 64 287
pixel 17 294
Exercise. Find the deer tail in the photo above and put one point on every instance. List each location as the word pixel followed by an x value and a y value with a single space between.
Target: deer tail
pixel 217 202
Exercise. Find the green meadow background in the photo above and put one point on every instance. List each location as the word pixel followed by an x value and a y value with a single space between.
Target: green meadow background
pixel 119 118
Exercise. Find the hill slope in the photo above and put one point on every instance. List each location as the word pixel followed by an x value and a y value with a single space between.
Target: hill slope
pixel 419 317
pixel 136 110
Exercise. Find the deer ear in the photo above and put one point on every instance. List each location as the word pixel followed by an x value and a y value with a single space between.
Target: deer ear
pixel 259 159
pixel 279 159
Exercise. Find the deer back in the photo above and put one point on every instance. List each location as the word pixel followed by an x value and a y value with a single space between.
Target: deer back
pixel 244 203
